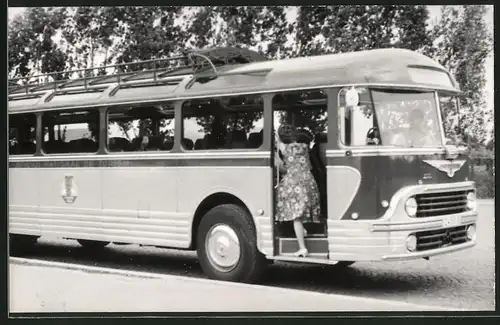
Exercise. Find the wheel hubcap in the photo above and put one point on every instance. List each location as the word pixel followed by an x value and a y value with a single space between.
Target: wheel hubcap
pixel 223 247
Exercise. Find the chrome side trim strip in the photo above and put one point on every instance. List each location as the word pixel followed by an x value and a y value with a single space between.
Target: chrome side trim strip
pixel 414 226
pixel 383 151
pixel 146 156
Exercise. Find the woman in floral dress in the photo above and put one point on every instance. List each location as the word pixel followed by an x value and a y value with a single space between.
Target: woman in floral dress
pixel 297 193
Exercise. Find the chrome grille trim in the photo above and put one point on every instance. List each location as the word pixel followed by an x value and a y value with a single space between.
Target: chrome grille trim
pixel 433 239
pixel 441 203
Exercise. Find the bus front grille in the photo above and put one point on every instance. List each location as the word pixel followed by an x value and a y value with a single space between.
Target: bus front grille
pixel 441 204
pixel 433 239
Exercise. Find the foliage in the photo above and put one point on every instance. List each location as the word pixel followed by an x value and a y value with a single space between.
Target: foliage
pixel 344 28
pixel 485 183
pixel 461 44
pixel 32 49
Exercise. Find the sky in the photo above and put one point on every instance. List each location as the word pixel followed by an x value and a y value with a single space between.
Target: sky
pixel 434 12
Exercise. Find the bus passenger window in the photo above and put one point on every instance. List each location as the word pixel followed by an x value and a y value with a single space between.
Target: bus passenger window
pixel 22 134
pixel 303 109
pixel 358 123
pixel 223 123
pixel 71 131
pixel 141 128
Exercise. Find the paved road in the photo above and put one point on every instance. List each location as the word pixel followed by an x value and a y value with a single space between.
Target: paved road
pixel 62 287
pixel 459 280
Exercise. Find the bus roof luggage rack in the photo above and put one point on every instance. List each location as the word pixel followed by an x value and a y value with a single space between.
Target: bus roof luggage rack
pixel 192 62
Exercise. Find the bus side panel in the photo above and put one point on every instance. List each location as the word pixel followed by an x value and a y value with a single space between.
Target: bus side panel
pixel 24 201
pixel 248 183
pixel 352 207
pixel 143 203
pixel 70 201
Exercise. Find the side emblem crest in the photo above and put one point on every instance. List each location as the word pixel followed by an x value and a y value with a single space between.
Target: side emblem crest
pixel 69 190
pixel 450 168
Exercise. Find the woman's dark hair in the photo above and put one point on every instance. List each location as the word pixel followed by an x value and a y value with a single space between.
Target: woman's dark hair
pixel 304 136
pixel 286 133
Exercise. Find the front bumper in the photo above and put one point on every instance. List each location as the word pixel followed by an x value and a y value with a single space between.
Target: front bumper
pixel 428 253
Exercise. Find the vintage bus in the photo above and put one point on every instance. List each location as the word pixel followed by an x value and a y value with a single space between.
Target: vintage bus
pixel 180 153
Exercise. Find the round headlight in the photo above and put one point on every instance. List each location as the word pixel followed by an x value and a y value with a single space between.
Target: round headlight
pixel 471 232
pixel 411 207
pixel 471 201
pixel 411 243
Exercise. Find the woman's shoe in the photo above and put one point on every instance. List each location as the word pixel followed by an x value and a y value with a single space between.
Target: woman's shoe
pixel 301 253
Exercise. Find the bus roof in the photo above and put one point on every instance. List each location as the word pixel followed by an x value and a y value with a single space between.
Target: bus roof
pixel 397 68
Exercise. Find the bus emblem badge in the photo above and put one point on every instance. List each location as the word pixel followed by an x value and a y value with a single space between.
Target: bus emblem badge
pixel 69 191
pixel 450 168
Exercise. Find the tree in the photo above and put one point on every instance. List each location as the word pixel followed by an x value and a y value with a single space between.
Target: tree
pixel 87 33
pixel 461 44
pixel 347 28
pixel 32 49
pixel 262 28
pixel 149 33
pixel 272 29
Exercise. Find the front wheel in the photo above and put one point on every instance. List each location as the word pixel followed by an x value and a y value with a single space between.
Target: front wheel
pixel 227 245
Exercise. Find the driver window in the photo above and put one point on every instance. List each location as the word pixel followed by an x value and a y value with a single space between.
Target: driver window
pixel 357 122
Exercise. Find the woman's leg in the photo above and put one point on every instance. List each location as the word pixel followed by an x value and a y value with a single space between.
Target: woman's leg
pixel 299 233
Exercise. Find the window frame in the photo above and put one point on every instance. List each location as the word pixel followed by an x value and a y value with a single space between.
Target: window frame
pixel 326 94
pixel 262 97
pixel 59 111
pixel 341 123
pixel 106 125
pixel 36 126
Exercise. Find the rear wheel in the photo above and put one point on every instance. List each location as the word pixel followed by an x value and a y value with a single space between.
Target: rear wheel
pixel 21 243
pixel 92 244
pixel 227 245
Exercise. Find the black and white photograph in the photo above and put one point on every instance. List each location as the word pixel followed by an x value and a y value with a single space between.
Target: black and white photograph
pixel 229 159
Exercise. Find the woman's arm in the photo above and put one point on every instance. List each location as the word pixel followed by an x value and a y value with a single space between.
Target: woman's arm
pixel 279 164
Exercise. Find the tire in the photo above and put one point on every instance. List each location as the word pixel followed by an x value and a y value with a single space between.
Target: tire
pixel 92 244
pixel 217 230
pixel 21 243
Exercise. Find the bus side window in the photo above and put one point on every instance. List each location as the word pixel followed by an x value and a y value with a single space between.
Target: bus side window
pixel 223 123
pixel 358 125
pixel 22 134
pixel 141 128
pixel 71 131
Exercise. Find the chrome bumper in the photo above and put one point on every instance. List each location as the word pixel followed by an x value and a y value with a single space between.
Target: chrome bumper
pixel 433 252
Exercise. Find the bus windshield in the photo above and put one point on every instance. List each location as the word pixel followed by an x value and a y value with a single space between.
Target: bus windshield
pixel 407 118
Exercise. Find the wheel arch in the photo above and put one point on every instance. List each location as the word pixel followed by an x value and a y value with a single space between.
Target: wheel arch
pixel 211 201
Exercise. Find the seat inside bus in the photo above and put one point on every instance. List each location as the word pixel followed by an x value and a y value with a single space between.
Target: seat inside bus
pixel 238 139
pixel 83 145
pixel 56 146
pixel 155 143
pixel 187 144
pixel 255 139
pixel 117 144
